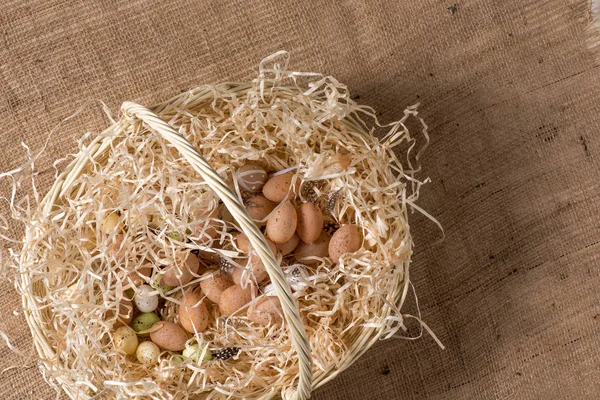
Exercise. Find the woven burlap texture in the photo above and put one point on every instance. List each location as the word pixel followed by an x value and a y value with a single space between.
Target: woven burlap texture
pixel 511 94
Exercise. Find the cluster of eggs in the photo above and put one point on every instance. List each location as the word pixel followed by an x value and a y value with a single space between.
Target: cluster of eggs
pixel 293 228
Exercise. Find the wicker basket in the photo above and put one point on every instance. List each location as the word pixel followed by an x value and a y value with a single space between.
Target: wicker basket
pixel 39 317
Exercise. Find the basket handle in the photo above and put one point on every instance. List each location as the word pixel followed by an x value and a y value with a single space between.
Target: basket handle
pixel 258 241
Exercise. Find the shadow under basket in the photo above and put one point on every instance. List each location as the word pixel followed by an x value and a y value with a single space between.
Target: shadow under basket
pixel 166 177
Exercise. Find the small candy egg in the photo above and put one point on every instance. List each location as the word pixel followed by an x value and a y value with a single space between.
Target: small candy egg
pixel 147 353
pixel 251 178
pixel 266 311
pixel 169 336
pixel 145 300
pixel 214 285
pixel 310 222
pixel 289 246
pixel 176 276
pixel 144 321
pixel 233 298
pixel 319 248
pixel 347 239
pixel 125 339
pixel 259 208
pixel 282 224
pixel 193 314
pixel 279 186
pixel 195 352
pixel 157 283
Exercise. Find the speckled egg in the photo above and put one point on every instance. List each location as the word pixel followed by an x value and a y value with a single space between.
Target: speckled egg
pixel 289 246
pixel 214 284
pixel 176 276
pixel 169 336
pixel 144 321
pixel 193 314
pixel 146 299
pixel 310 222
pixel 256 264
pixel 125 339
pixel 279 186
pixel 147 353
pixel 233 298
pixel 195 352
pixel 259 207
pixel 319 248
pixel 347 239
pixel 266 311
pixel 242 242
pixel 251 178
pixel 282 224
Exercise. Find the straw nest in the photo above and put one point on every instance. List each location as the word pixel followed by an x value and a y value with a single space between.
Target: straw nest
pixel 74 275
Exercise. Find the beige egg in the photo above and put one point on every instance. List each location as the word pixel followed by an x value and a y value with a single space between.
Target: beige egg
pixel 193 314
pixel 147 353
pixel 233 298
pixel 214 285
pixel 346 239
pixel 319 248
pixel 289 246
pixel 242 242
pixel 266 311
pixel 251 178
pixel 310 222
pixel 174 276
pixel 280 186
pixel 169 336
pixel 125 339
pixel 282 224
pixel 259 208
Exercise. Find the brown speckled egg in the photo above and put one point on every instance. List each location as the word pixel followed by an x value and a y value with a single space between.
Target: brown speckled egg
pixel 289 246
pixel 259 208
pixel 347 239
pixel 256 263
pixel 278 187
pixel 310 222
pixel 193 314
pixel 282 224
pixel 251 178
pixel 242 242
pixel 266 311
pixel 175 276
pixel 169 336
pixel 233 298
pixel 319 248
pixel 214 285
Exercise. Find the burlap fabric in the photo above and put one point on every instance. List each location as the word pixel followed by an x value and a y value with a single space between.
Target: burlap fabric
pixel 511 93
